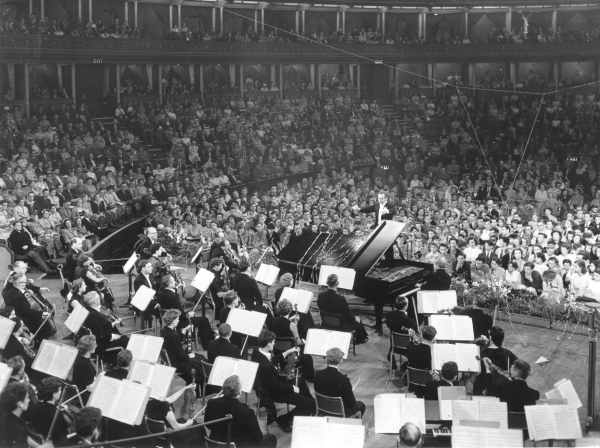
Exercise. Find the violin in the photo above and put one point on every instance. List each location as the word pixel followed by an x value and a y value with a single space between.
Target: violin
pixel 417 339
pixel 189 396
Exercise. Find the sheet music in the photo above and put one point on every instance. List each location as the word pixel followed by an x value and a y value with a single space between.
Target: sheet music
pixel 142 297
pixel 300 297
pixel 452 328
pixel 463 328
pixel 224 367
pixel 493 411
pixel 130 401
pixel 345 276
pixel 462 354
pixel 146 348
pixel 155 376
pixel 567 422
pixel 344 436
pixel 246 322
pixel 77 317
pixel 564 389
pixel 63 361
pixel 388 419
pixel 130 263
pixel 484 398
pixel 446 394
pixel 413 410
pixel 105 394
pixel 5 373
pixel 431 302
pixel 203 279
pixel 476 437
pixel 267 274
pixel 309 432
pixel 46 353
pixel 6 329
pixel 540 422
pixel 464 410
pixel 319 341
pixel 509 438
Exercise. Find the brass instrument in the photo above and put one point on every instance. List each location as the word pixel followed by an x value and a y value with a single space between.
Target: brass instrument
pixel 416 338
pixel 495 369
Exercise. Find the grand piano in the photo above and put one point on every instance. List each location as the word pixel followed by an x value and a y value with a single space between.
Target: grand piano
pixel 377 280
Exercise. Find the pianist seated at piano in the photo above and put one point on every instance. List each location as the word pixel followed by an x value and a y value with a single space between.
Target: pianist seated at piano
pixel 419 356
pixel 448 377
pixel 333 303
pixel 398 321
pixel 440 280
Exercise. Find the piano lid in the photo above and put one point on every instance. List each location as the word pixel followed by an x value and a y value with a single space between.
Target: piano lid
pixel 375 246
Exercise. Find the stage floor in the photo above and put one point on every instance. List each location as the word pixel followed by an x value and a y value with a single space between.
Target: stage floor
pixel 567 355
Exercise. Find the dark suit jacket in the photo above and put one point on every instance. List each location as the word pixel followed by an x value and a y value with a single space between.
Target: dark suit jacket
pixel 395 320
pixel 516 394
pixel 84 373
pixel 15 348
pixel 481 322
pixel 247 288
pixel 71 263
pixel 221 347
pixel 15 298
pixel 19 239
pixel 137 283
pixel 440 280
pixel 431 388
pixel 100 327
pixel 172 344
pixel 464 271
pixel 375 209
pixel 119 373
pixel 331 302
pixel 333 383
pixel 419 356
pixel 271 383
pixel 536 282
pixel 245 431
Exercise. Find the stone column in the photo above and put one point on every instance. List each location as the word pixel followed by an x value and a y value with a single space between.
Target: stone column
pixel 556 74
pixel 512 71
pixel 73 90
pixel 358 79
pixel 119 81
pixel 378 20
pixel 79 9
pixel 319 78
pixel 554 20
pixel 272 75
pixel 179 16
pixel 192 72
pixel 135 14
pixel 126 6
pixel 170 19
pixel 221 19
pixel 424 25
pixel 467 23
pixel 420 25
pixel 344 21
pixel 262 20
pixel 303 20
pixel 383 23
pixel 214 18
pixel 242 80
pixel 351 70
pixel 60 76
pixel 201 80
pixel 312 75
pixel 31 7
pixel 472 75
pixel 431 75
pixel 27 105
pixel 337 21
pixel 397 80
pixel 297 21
pixel 280 82
pixel 42 10
pixel 509 19
pixel 256 20
pixel 160 67
pixel 90 9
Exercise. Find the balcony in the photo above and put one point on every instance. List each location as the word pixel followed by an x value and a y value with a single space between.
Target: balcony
pixel 17 48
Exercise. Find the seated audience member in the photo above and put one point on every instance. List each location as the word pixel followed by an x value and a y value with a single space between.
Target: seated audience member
pixel 122 370
pixel 448 377
pixel 399 322
pixel 531 280
pixel 419 356
pixel 462 268
pixel 245 430
pixel 333 383
pixel 409 435
pixel 516 393
pixel 222 346
pixel 480 271
pixel 87 427
pixel 277 387
pixel 333 303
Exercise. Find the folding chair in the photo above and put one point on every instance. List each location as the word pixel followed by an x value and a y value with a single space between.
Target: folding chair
pixel 418 377
pixel 156 427
pixel 398 342
pixel 334 322
pixel 333 406
pixel 209 443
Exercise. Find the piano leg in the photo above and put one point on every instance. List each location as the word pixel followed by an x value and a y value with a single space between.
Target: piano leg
pixel 378 305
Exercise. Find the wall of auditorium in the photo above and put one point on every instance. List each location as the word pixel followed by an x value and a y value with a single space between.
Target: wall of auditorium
pixel 585 69
pixel 545 69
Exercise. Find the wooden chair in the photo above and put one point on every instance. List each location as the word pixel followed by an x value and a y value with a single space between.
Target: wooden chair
pixel 209 443
pixel 156 427
pixel 334 322
pixel 417 377
pixel 332 406
pixel 397 342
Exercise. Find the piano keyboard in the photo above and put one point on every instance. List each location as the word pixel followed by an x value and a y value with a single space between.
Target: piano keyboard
pixel 441 432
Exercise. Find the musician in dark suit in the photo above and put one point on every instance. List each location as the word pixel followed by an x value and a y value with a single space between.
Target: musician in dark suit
pixel 399 322
pixel 145 278
pixel 32 318
pixel 87 427
pixel 331 302
pixel 419 356
pixel 14 345
pixel 106 332
pixel 222 346
pixel 276 387
pixel 333 383
pixel 247 288
pixel 516 393
pixel 84 372
pixel 482 322
pixel 216 266
pixel 42 415
pixel 440 280
pixel 448 377
pixel 245 430
pixel 72 257
pixel 462 268
pixel 382 211
pixel 124 359
pixel 144 247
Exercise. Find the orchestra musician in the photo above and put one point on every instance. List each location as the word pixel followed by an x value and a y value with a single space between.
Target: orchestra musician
pixel 448 377
pixel 419 356
pixel 516 393
pixel 273 238
pixel 216 266
pixel 72 258
pixel 18 375
pixel 246 288
pixel 21 268
pixel 14 402
pixel 49 392
pixel 162 263
pixel 277 387
pixel 180 359
pixel 333 383
pixel 409 436
pixel 121 370
pixel 222 345
pixel 78 289
pixel 87 427
pixel 224 251
pixel 28 309
pixel 482 322
pixel 306 321
pixel 145 278
pixel 286 326
pixel 231 300
pixel 84 372
pixel 103 327
pixel 144 247
pixel 168 299
pixel 19 345
pixel 94 280
pixel 499 356
pixel 333 303
pixel 398 321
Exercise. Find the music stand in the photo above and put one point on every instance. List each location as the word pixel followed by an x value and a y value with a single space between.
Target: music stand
pixel 592 416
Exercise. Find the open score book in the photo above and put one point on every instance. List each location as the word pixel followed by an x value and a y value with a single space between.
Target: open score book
pixel 155 376
pixel 145 348
pixel 121 400
pixel 55 359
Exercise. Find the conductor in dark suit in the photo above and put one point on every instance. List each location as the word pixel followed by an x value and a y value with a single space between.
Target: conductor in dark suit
pixel 516 393
pixel 382 211
pixel 145 278
pixel 279 388
pixel 332 303
pixel 245 430
pixel 71 258
pixel 447 378
pixel 440 280
pixel 333 383
pixel 397 321
pixel 419 356
pixel 221 346
pixel 247 288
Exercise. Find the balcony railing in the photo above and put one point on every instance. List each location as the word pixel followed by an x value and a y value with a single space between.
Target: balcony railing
pixel 37 48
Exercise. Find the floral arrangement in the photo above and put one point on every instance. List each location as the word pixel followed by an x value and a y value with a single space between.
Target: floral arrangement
pixel 521 302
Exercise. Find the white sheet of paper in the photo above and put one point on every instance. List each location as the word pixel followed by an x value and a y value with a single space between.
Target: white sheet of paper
pixel 55 359
pixel 77 317
pixel 452 328
pixel 461 354
pixel 267 274
pixel 6 329
pixel 155 376
pixel 413 410
pixel 246 322
pixel 432 302
pixel 224 367
pixel 345 276
pixel 203 279
pixel 5 373
pixel 300 297
pixel 145 348
pixel 319 341
pixel 540 422
pixel 493 411
pixel 388 419
pixel 567 391
pixel 130 263
pixel 477 437
pixel 142 297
